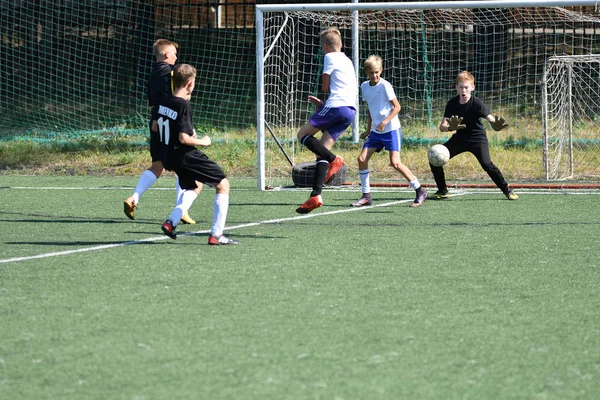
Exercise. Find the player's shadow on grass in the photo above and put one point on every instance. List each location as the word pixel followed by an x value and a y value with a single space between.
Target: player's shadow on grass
pixel 366 209
pixel 83 243
pixel 44 218
pixel 378 198
pixel 155 232
pixel 267 204
pixel 239 236
pixel 73 221
pixel 421 224
pixel 346 224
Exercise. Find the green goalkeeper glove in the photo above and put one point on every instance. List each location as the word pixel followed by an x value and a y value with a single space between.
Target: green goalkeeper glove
pixel 454 123
pixel 499 123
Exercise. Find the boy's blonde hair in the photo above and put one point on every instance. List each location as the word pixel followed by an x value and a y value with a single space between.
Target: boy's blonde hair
pixel 373 62
pixel 465 76
pixel 159 47
pixel 183 74
pixel 332 38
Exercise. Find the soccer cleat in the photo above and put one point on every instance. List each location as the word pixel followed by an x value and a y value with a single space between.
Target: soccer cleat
pixel 334 167
pixel 421 197
pixel 169 230
pixel 129 208
pixel 310 204
pixel 441 194
pixel 363 201
pixel 186 219
pixel 221 240
pixel 511 195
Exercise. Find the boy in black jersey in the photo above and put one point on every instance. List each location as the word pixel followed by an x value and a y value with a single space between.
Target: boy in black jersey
pixel 178 141
pixel 463 114
pixel 159 87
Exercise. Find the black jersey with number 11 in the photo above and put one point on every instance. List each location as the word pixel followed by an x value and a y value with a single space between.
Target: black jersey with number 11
pixel 174 117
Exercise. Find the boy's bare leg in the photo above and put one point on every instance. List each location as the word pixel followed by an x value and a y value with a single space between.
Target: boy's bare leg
pixel 421 193
pixel 398 166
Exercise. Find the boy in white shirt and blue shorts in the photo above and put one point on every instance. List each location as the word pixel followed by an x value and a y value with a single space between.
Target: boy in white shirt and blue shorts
pixel 383 132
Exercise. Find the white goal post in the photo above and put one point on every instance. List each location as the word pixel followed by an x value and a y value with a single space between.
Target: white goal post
pixel 571 117
pixel 424 46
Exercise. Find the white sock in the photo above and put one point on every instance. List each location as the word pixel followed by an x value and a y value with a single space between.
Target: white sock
pixel 415 183
pixel 364 180
pixel 220 207
pixel 145 181
pixel 184 202
pixel 178 189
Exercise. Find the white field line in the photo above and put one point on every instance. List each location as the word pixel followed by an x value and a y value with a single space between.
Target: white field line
pixel 228 228
pixel 251 224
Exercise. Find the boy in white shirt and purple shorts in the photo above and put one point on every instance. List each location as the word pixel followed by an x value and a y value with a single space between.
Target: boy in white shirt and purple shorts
pixel 332 117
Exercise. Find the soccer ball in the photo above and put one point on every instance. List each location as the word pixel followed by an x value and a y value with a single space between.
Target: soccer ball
pixel 438 155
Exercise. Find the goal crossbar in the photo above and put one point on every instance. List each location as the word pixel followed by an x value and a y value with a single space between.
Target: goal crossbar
pixel 425 5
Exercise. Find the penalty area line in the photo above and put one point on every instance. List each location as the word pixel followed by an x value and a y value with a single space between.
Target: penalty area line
pixel 228 228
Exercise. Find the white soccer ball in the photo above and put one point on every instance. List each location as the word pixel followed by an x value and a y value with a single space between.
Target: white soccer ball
pixel 438 155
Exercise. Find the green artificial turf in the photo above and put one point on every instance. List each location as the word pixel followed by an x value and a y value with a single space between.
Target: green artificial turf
pixel 474 297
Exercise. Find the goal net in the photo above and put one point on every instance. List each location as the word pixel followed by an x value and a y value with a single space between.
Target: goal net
pixel 74 69
pixel 571 117
pixel 424 46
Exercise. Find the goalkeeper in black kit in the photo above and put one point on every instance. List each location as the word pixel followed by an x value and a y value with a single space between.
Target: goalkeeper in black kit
pixel 462 116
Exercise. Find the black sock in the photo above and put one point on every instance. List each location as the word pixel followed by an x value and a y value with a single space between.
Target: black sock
pixel 315 145
pixel 319 180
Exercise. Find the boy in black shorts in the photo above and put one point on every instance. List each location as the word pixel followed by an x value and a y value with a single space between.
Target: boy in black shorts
pixel 463 114
pixel 159 87
pixel 179 154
